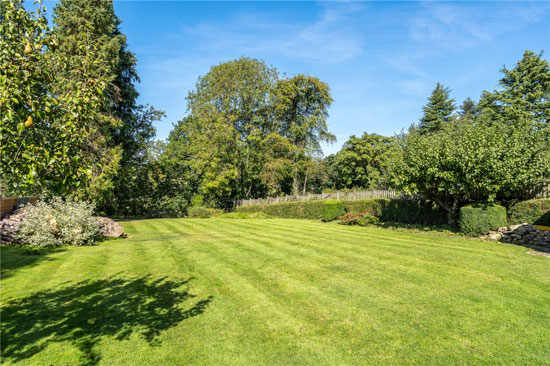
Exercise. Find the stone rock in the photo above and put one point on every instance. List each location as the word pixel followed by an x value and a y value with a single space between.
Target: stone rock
pixel 109 228
pixel 526 235
pixel 494 236
pixel 9 226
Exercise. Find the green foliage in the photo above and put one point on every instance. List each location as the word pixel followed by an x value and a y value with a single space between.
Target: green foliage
pixel 480 218
pixel 332 209
pixel 362 162
pixel 390 210
pixel 471 161
pixel 408 211
pixel 48 154
pixel 524 97
pixel 59 222
pixel 203 212
pixel 288 210
pixel 358 218
pixel 249 133
pixel 535 212
pixel 246 215
pixel 300 105
pixel 438 111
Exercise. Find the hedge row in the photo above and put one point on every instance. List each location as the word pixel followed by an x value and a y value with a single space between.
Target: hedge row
pixel 390 210
pixel 536 212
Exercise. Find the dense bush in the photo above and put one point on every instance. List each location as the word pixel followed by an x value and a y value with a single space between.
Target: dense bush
pixel 358 218
pixel 406 211
pixel 536 212
pixel 480 218
pixel 332 209
pixel 395 210
pixel 203 212
pixel 58 222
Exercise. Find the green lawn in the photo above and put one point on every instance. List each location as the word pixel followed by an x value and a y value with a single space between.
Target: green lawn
pixel 267 292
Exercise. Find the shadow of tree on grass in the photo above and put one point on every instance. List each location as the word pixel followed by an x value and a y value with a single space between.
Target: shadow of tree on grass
pixel 14 258
pixel 85 312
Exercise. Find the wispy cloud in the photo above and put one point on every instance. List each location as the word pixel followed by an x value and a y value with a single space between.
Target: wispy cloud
pixel 330 38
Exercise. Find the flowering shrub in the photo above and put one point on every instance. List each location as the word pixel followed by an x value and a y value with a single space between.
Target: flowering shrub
pixel 59 222
pixel 358 218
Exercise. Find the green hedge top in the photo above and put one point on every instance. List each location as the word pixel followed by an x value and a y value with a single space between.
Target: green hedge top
pixel 482 217
pixel 389 210
pixel 536 212
pixel 332 209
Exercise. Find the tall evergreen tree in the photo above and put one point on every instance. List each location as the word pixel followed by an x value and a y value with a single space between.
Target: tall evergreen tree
pixel 525 94
pixel 438 110
pixel 469 109
pixel 91 42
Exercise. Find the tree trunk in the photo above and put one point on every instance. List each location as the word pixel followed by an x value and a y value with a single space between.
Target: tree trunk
pixel 305 185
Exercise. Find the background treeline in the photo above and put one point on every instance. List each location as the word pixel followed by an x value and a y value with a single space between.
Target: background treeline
pixel 71 126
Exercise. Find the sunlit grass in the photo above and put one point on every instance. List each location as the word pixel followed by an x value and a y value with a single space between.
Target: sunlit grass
pixel 251 292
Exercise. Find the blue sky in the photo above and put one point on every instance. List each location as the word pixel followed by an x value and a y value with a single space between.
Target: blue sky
pixel 380 58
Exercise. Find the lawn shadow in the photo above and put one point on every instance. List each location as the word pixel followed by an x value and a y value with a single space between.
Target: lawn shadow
pixel 13 258
pixel 85 312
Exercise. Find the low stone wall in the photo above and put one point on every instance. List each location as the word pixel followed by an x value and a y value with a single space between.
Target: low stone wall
pixel 525 235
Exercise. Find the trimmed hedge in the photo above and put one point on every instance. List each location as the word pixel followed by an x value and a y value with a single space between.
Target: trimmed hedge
pixel 203 212
pixel 482 217
pixel 535 212
pixel 288 210
pixel 332 209
pixel 390 210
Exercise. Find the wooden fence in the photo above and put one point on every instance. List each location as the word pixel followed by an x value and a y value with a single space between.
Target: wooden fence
pixel 10 204
pixel 539 190
pixel 340 195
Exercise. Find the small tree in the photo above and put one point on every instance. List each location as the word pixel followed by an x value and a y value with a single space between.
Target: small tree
pixel 438 111
pixel 472 161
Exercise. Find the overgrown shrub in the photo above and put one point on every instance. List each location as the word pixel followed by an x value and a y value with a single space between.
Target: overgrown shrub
pixel 203 212
pixel 482 217
pixel 59 222
pixel 536 212
pixel 332 209
pixel 364 218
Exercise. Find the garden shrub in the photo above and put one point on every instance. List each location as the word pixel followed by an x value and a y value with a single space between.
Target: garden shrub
pixel 535 212
pixel 332 209
pixel 364 218
pixel 203 212
pixel 482 217
pixel 59 222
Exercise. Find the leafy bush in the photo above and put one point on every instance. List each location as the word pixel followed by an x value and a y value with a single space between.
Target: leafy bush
pixel 480 218
pixel 364 218
pixel 203 212
pixel 536 212
pixel 246 215
pixel 59 222
pixel 332 209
